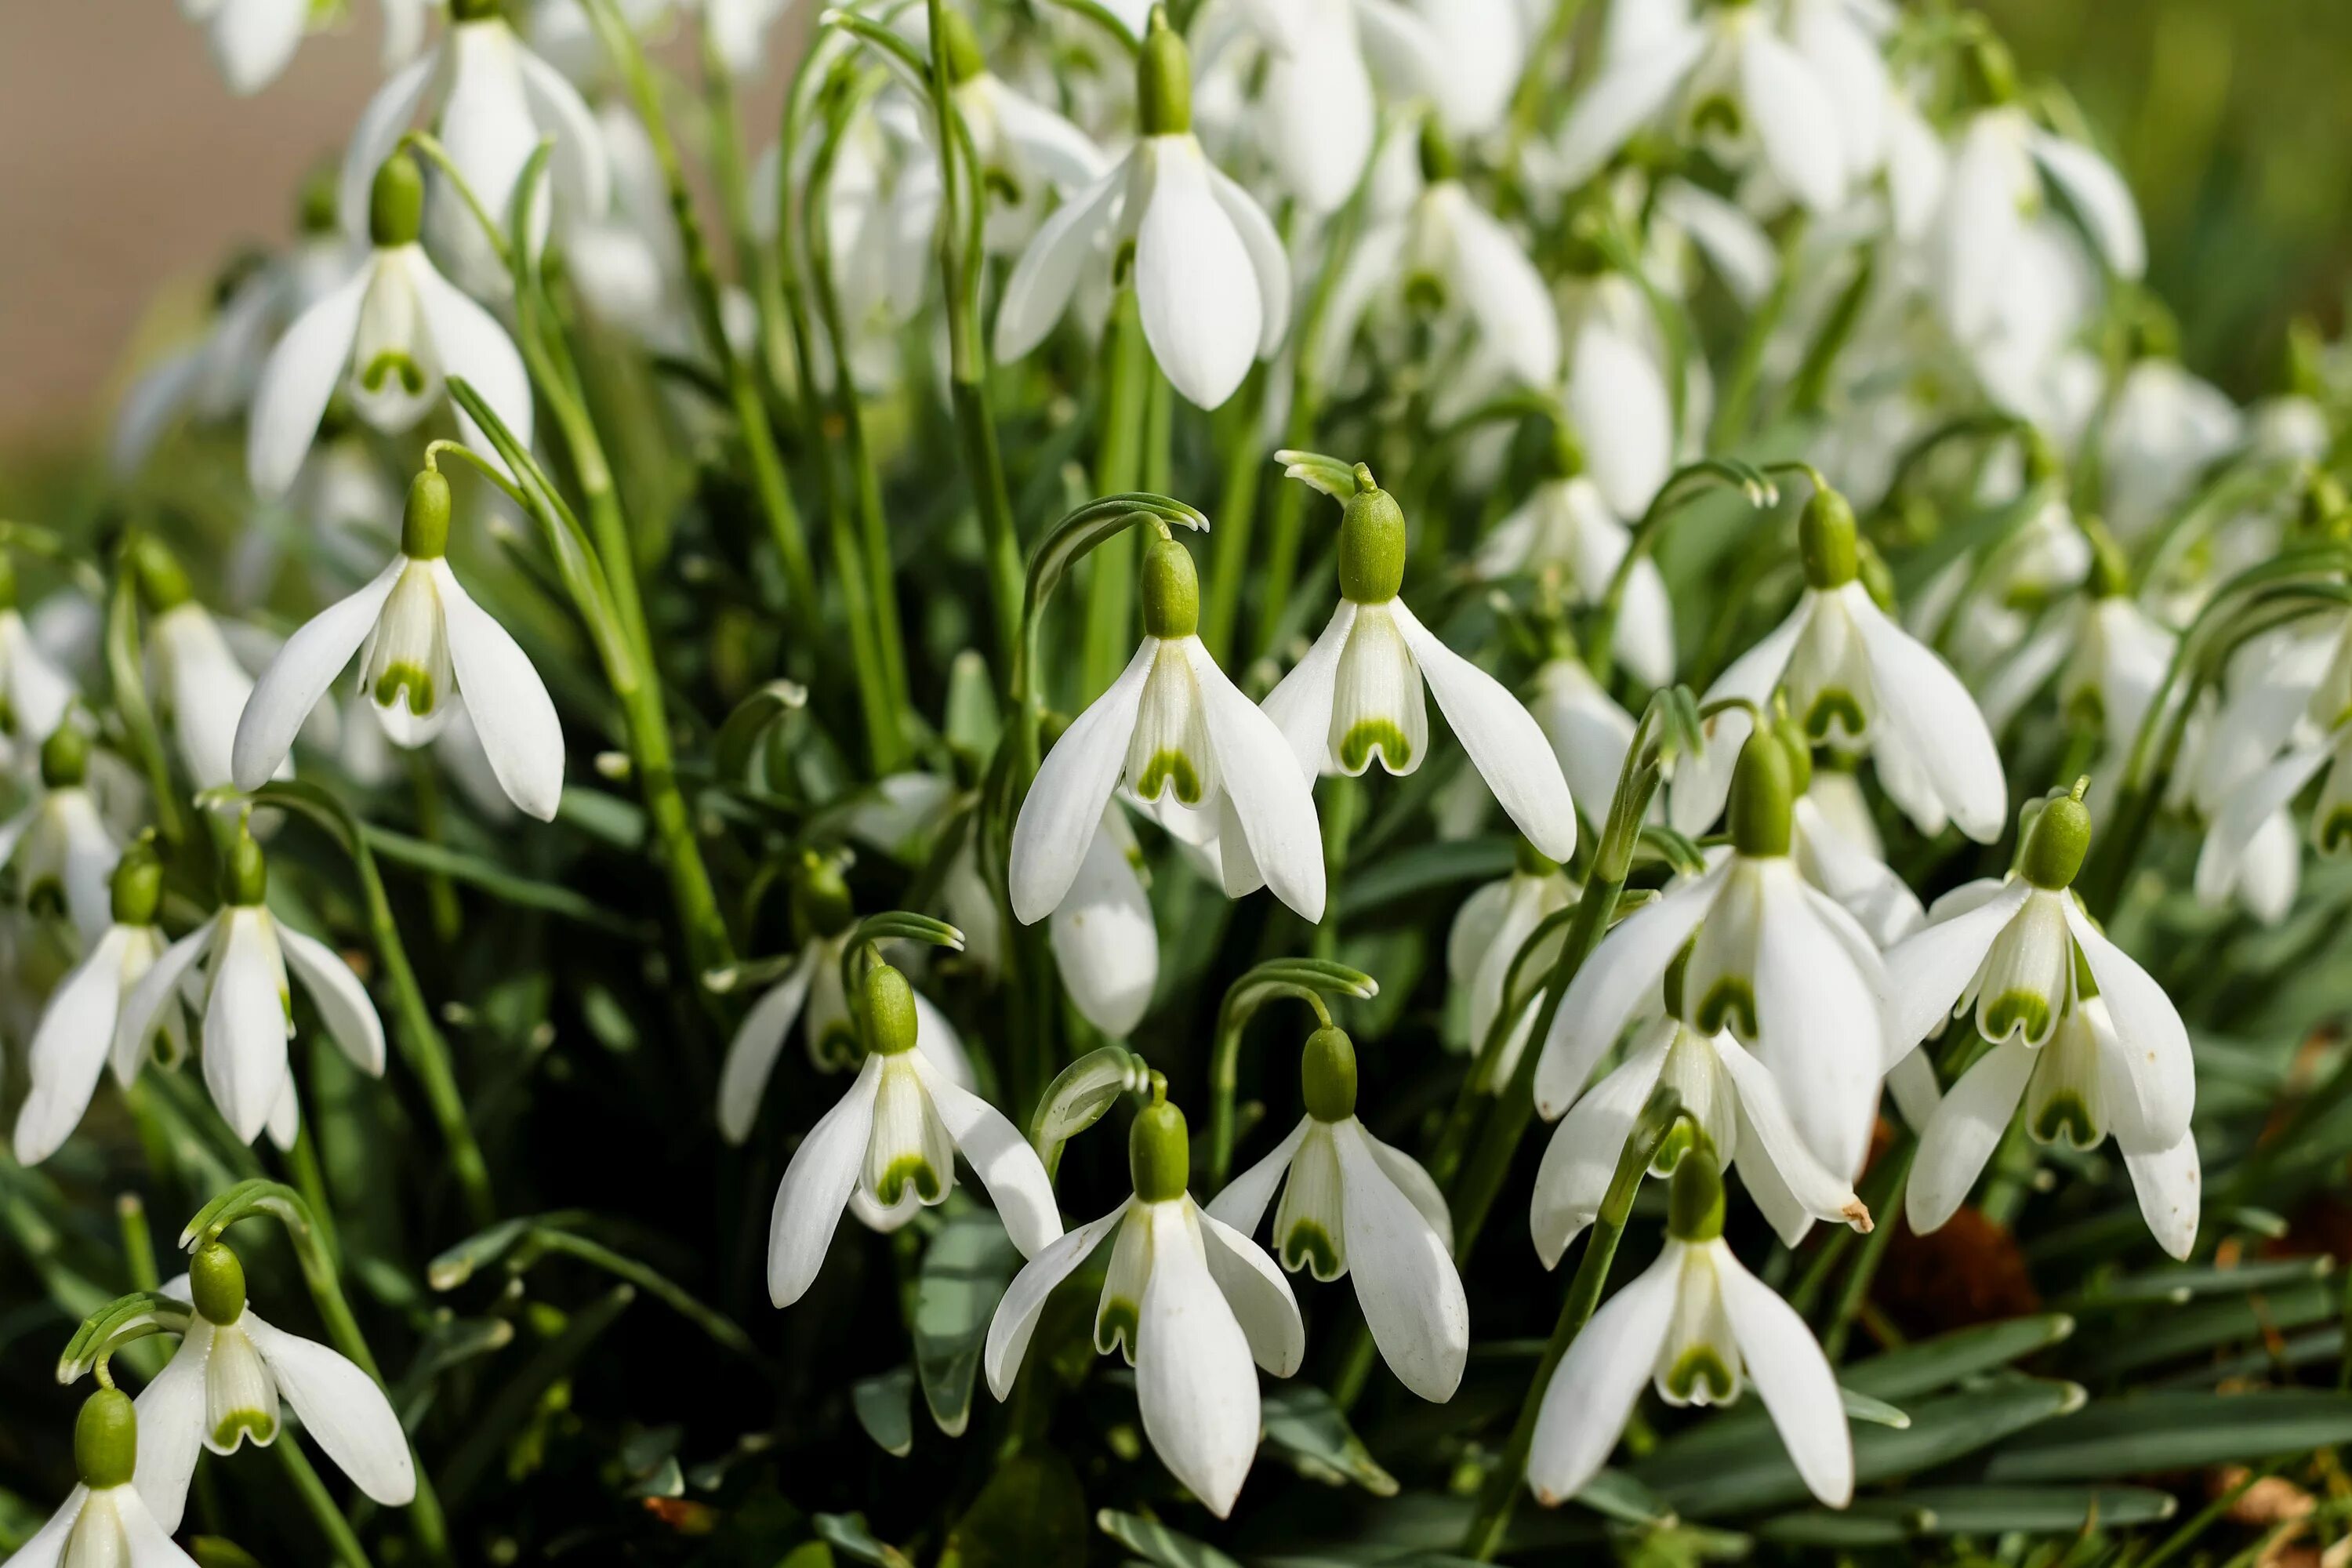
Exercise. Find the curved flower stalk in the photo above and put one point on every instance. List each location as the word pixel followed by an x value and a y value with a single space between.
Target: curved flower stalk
pixel 1211 277
pixel 1483 948
pixel 1854 678
pixel 423 646
pixel 1189 1300
pixel 1698 1326
pixel 811 994
pixel 1174 730
pixel 1351 1205
pixel 60 848
pixel 1772 960
pixel 2077 1031
pixel 892 1140
pixel 76 1035
pixel 245 953
pixel 389 336
pixel 104 1519
pixel 1357 695
pixel 1566 530
pixel 1783 118
pixel 490 100
pixel 224 1385
pixel 1589 733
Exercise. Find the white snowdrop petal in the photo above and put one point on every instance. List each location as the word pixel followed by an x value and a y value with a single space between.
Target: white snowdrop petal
pixel 1001 1158
pixel 1966 1127
pixel 1790 1373
pixel 344 1410
pixel 2100 199
pixel 1702 783
pixel 1274 803
pixel 1258 1294
pixel 1819 1023
pixel 1618 399
pixel 1063 807
pixel 70 1050
pixel 1301 702
pixel 1927 971
pixel 1195 287
pixel 300 674
pixel 2168 1181
pixel 245 1022
pixel 2163 1069
pixel 296 382
pixel 580 167
pixel 1629 93
pixel 1042 280
pixel 1733 242
pixel 342 999
pixel 1267 259
pixel 752 1052
pixel 1505 292
pixel 1413 1180
pixel 1581 1157
pixel 377 134
pixel 1505 743
pixel 1195 1378
pixel 1622 973
pixel 1016 1315
pixel 253 40
pixel 1794 118
pixel 1243 1203
pixel 1769 1135
pixel 513 714
pixel 1059 149
pixel 1926 704
pixel 1105 943
pixel 816 1187
pixel 143 1011
pixel 171 1426
pixel 1592 1393
pixel 1405 1279
pixel 468 341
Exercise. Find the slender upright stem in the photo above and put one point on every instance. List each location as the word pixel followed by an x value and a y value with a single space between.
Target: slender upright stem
pixel 1127 371
pixel 1229 548
pixel 320 1503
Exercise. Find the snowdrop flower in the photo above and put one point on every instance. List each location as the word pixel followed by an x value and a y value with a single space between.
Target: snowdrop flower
pixel 1026 149
pixel 423 644
pixel 104 1521
pixel 1176 731
pixel 75 1034
pixel 893 1138
pixel 1731 82
pixel 1837 848
pixel 1694 1323
pixel 2166 427
pixel 1775 960
pixel 34 692
pixel 251 40
pixel 1589 733
pixel 1105 943
pixel 225 1383
pixel 811 994
pixel 2250 828
pixel 2087 1059
pixel 739 30
pixel 1210 277
pixel 1617 396
pixel 1853 678
pixel 389 336
pixel 2110 658
pixel 60 848
pixel 1189 1300
pixel 1357 695
pixel 1316 111
pixel 1566 528
pixel 245 953
pixel 1352 1205
pixel 1480 47
pixel 494 100
pixel 203 683
pixel 1493 924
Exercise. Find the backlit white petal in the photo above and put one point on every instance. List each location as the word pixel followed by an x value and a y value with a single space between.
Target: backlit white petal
pixel 1505 743
pixel 70 1049
pixel 1927 972
pixel 2163 1071
pixel 300 675
pixel 999 1156
pixel 297 382
pixel 468 341
pixel 1105 943
pixel 816 1187
pixel 245 1022
pixel 752 1052
pixel 1622 975
pixel 1966 1127
pixel 343 1001
pixel 1040 285
pixel 1581 1157
pixel 1195 1378
pixel 1243 1203
pixel 1793 117
pixel 1258 1294
pixel 1273 803
pixel 1025 1298
pixel 1405 1279
pixel 1629 93
pixel 1064 808
pixel 1786 1364
pixel 171 1426
pixel 1194 284
pixel 1592 1393
pixel 511 710
pixel 1936 720
pixel 344 1409
pixel 2100 199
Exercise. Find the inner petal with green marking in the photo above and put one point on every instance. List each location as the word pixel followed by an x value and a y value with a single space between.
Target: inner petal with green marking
pixel 1169 751
pixel 908 1154
pixel 2025 984
pixel 404 668
pixel 1378 708
pixel 1309 1227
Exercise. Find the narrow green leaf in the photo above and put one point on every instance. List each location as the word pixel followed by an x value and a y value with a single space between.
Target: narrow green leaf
pixel 964 1274
pixel 1869 1522
pixel 1155 1542
pixel 2199 1326
pixel 847 1534
pixel 1426 869
pixel 2055 1510
pixel 1306 1428
pixel 1878 1412
pixel 885 1408
pixel 2187 1282
pixel 1940 1362
pixel 2155 1432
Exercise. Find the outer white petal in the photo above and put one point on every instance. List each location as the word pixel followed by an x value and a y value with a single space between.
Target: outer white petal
pixel 46 1547
pixel 1912 1081
pixel 751 1053
pixel 2100 197
pixel 1274 803
pixel 1062 810
pixel 1259 1295
pixel 941 1043
pixel 1505 743
pixel 2163 1069
pixel 1300 703
pixel 1845 59
pixel 143 1009
pixel 1413 1180
pixel 470 342
pixel 1015 1178
pixel 1927 972
pixel 1966 1127
pixel 1267 259
pixel 1317 125
pixel 342 1000
pixel 1581 1157
pixel 244 1024
pixel 816 1188
pixel 1866 887
pixel 1025 1298
pixel 1105 943
pixel 70 1050
pixel 2250 809
pixel 1041 283
pixel 1702 783
pixel 1822 1193
pixel 580 166
pixel 1592 1393
pixel 304 667
pixel 1405 1280
pixel 2170 1183
pixel 172 1427
pixel 1629 93
pixel 297 382
pixel 252 41
pixel 1193 1375
pixel 378 132
pixel 1059 149
pixel 1622 973
pixel 1786 1364
pixel 1505 292
pixel 1243 1203
pixel 153 405
pixel 1620 403
pixel 1737 247
pixel 151 1544
pixel 1195 285
pixel 511 710
pixel 1819 1023
pixel 1925 704
pixel 1794 118
pixel 344 1409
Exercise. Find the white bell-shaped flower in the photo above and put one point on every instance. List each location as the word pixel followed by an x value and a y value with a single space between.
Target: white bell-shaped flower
pixel 492 101
pixel 1732 83
pixel 1617 396
pixel 1358 694
pixel 1465 55
pixel 76 1035
pixel 60 848
pixel 1351 1205
pixel 390 334
pixel 1837 848
pixel 1315 113
pixel 893 1139
pixel 1173 728
pixel 1590 731
pixel 1189 1300
pixel 1565 529
pixel 1772 958
pixel 1482 945
pixel 225 1383
pixel 2166 427
pixel 1856 680
pixel 33 691
pixel 245 953
pixel 1105 943
pixel 203 683
pixel 251 40
pixel 1699 1326
pixel 1211 281
pixel 422 644
pixel 104 1522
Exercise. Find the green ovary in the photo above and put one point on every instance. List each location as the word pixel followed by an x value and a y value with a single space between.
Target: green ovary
pixel 390 364
pixel 1730 1003
pixel 1834 710
pixel 1375 735
pixel 1309 1246
pixel 404 678
pixel 1170 770
pixel 1115 1328
pixel 2014 1010
pixel 907 1168
pixel 1699 1378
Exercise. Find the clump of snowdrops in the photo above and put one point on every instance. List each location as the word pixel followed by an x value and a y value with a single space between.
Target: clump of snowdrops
pixel 700 779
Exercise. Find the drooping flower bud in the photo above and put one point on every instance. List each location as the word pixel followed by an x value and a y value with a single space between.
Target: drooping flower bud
pixel 1371 544
pixel 1762 797
pixel 424 526
pixel 1327 1075
pixel 1172 591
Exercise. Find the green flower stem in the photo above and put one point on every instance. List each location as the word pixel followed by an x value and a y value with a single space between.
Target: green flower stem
pixel 755 263
pixel 1229 552
pixel 138 1246
pixel 421 1041
pixel 1127 373
pixel 1501 1493
pixel 1528 99
pixel 1342 805
pixel 519 1397
pixel 311 1183
pixel 1445 1155
pixel 321 1504
pixel 719 1326
pixel 1683 486
pixel 768 478
pixel 1886 1202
